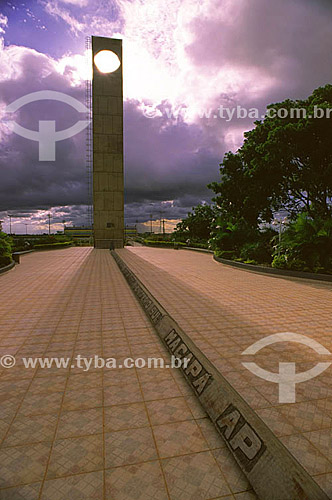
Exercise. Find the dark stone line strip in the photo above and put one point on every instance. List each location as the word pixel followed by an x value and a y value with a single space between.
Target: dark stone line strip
pixel 270 468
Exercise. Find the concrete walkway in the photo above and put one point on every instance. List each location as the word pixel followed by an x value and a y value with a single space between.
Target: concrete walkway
pixel 225 310
pixel 103 434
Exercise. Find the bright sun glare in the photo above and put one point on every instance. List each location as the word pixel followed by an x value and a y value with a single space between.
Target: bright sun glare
pixel 107 61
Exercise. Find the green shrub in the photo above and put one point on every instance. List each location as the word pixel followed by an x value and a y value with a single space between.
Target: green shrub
pixel 280 262
pixel 319 270
pixel 5 261
pixel 297 264
pixel 5 249
pixel 229 236
pixel 205 246
pixel 225 254
pixel 258 251
pixel 161 243
pixel 307 242
pixel 50 246
pixel 290 263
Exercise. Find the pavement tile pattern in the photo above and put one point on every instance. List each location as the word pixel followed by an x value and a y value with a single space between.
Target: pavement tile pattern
pixel 102 434
pixel 225 310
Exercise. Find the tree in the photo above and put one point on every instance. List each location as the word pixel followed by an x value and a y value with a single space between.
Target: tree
pixel 285 163
pixel 238 198
pixel 197 226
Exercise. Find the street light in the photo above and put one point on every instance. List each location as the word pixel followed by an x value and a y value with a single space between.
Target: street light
pixel 151 215
pixel 10 223
pixel 49 223
pixel 26 227
pixel 162 223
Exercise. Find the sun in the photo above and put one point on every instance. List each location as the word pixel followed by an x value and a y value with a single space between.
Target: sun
pixel 107 61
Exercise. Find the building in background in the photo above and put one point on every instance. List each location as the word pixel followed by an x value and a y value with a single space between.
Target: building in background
pixel 81 234
pixel 130 231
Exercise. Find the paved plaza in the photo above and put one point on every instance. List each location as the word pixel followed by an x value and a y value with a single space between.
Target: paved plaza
pixel 225 310
pixel 121 434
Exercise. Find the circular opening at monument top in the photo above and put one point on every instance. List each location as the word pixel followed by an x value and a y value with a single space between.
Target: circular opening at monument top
pixel 107 61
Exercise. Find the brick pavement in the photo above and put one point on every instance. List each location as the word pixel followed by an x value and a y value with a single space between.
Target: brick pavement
pixel 106 434
pixel 225 310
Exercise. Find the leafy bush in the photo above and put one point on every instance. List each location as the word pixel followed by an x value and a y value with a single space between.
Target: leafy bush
pixel 292 264
pixel 225 254
pixel 50 246
pixel 231 236
pixel 242 242
pixel 320 270
pixel 5 249
pixel 160 243
pixel 307 243
pixel 198 245
pixel 297 265
pixel 258 251
pixel 279 262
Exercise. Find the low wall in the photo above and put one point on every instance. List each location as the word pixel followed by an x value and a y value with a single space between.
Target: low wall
pixel 204 250
pixel 272 270
pixel 7 268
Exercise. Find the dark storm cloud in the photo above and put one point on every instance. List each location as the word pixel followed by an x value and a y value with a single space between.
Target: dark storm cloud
pixel 25 181
pixel 289 40
pixel 164 159
pixel 284 42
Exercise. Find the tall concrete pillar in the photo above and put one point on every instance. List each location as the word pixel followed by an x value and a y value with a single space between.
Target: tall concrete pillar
pixel 107 120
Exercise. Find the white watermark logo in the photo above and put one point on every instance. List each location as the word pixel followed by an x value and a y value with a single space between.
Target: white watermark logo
pixel 287 378
pixel 95 362
pixel 233 113
pixel 7 361
pixel 47 136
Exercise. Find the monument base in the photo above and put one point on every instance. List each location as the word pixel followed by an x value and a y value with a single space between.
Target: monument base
pixel 109 244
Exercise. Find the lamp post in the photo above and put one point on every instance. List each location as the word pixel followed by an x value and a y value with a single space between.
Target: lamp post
pixel 162 223
pixel 49 223
pixel 26 227
pixel 10 223
pixel 151 216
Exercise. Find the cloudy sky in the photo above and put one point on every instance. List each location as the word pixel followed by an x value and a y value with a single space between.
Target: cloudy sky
pixel 183 59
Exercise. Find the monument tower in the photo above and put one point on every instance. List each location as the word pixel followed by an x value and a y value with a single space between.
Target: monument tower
pixel 107 135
